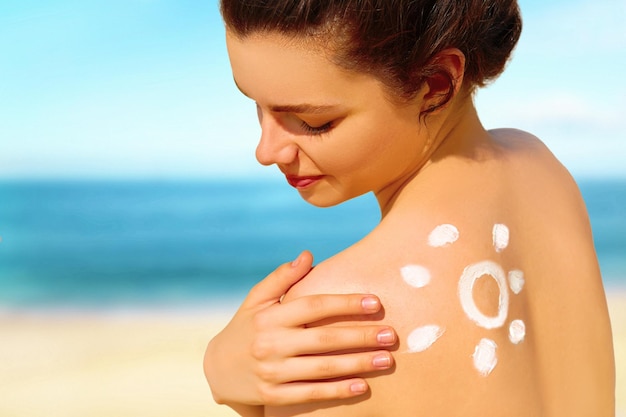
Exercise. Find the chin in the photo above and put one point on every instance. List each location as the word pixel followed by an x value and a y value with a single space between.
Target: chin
pixel 323 204
pixel 324 201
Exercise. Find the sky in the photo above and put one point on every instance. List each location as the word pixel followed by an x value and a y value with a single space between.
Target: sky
pixel 143 89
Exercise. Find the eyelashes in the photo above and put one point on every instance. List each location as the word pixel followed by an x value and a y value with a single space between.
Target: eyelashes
pixel 304 126
pixel 316 130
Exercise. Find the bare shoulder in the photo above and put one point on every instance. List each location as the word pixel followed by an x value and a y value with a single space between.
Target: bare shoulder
pixel 519 145
pixel 515 137
pixel 454 327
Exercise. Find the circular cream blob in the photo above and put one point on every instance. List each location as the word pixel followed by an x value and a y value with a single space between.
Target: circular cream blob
pixel 466 287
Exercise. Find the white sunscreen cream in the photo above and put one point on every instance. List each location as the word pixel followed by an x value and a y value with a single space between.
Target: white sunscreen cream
pixel 422 338
pixel 500 237
pixel 516 281
pixel 443 235
pixel 466 288
pixel 415 275
pixel 517 331
pixel 485 358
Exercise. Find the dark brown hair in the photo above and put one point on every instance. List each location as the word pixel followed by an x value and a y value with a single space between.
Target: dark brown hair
pixel 394 40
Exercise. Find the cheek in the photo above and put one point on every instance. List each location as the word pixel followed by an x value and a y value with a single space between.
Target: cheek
pixel 354 152
pixel 397 153
pixel 369 149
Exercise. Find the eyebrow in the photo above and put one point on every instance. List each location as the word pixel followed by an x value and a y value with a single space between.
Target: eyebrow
pixel 303 108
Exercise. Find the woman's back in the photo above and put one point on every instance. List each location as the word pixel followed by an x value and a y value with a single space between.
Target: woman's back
pixel 487 271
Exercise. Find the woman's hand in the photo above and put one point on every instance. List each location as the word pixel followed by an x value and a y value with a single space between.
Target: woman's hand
pixel 266 351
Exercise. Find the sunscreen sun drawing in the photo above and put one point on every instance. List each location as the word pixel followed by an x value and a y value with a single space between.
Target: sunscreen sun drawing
pixel 485 352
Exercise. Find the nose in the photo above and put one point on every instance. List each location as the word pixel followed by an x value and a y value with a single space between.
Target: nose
pixel 276 145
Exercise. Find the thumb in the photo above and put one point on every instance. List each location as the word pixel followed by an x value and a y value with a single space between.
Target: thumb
pixel 272 287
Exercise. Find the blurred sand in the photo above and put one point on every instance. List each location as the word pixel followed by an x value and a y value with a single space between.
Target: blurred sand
pixel 106 364
pixel 137 363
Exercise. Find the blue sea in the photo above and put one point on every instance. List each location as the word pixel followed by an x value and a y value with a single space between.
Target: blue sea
pixel 92 244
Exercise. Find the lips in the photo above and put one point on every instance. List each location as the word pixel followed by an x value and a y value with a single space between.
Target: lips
pixel 303 182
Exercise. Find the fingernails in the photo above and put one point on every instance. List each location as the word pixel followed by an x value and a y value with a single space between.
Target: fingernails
pixel 370 304
pixel 296 261
pixel 358 387
pixel 382 361
pixel 386 337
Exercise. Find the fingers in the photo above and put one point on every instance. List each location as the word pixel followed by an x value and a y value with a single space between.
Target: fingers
pixel 308 392
pixel 313 368
pixel 272 287
pixel 319 340
pixel 312 308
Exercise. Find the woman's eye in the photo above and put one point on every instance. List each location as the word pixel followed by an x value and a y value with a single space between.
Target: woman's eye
pixel 316 130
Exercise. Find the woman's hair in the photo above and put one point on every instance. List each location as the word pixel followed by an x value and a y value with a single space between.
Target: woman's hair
pixel 395 41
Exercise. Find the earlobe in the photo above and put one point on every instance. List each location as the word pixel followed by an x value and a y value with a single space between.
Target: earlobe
pixel 443 78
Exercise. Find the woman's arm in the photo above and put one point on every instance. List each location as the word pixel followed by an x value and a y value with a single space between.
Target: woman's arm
pixel 264 353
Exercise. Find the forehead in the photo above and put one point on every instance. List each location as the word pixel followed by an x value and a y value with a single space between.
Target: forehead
pixel 281 70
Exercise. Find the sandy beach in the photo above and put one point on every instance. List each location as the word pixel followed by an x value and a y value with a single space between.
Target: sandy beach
pixel 140 363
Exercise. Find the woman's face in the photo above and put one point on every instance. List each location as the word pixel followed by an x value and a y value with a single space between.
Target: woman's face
pixel 334 134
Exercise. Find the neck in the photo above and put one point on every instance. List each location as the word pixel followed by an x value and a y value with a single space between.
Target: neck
pixel 457 131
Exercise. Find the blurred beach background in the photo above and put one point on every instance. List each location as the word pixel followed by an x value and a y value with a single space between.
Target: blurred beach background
pixel 134 218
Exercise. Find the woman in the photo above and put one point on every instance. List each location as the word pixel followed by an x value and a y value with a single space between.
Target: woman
pixel 483 258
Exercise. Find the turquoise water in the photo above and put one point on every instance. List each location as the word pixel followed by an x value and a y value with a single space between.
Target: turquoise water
pixel 96 243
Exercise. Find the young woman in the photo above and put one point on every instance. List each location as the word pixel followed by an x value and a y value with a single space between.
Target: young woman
pixel 483 258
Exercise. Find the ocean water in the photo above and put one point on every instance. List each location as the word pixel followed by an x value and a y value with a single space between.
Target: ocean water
pixel 98 243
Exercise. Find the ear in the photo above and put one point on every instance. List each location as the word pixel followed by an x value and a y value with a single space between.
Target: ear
pixel 443 78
